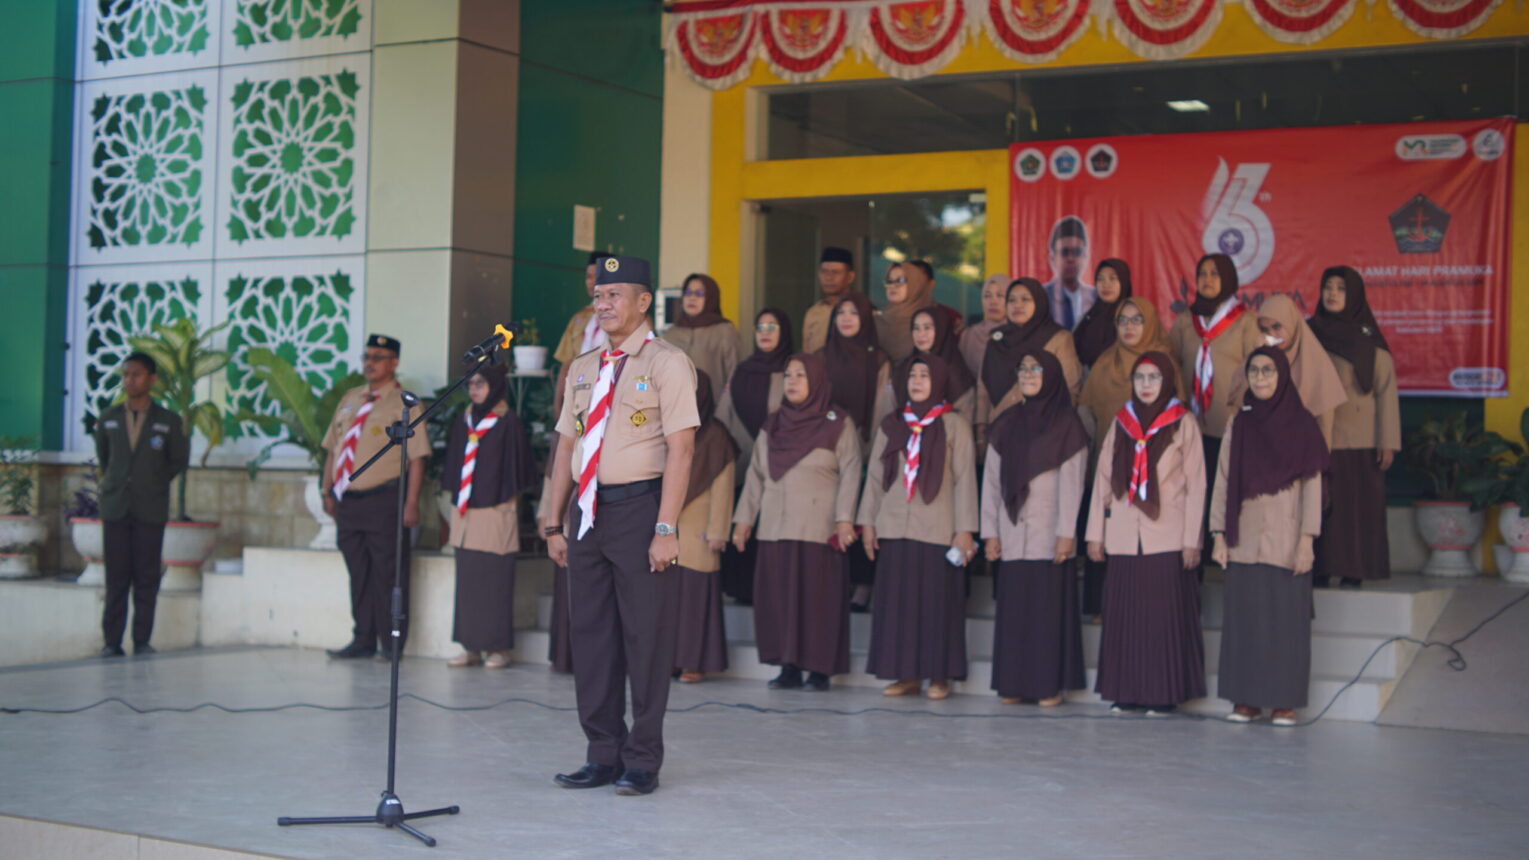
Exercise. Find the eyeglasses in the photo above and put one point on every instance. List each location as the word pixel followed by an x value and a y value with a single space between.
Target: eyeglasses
pixel 1137 320
pixel 897 280
pixel 764 327
pixel 1030 370
pixel 1262 372
pixel 700 294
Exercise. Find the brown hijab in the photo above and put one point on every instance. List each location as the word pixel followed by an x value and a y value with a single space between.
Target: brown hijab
pixel 853 363
pixel 797 429
pixel 1096 331
pixel 1010 342
pixel 1310 368
pixel 931 468
pixel 1352 332
pixel 897 319
pixel 1108 385
pixel 505 465
pixel 1037 434
pixel 946 347
pixel 750 386
pixel 1124 455
pixel 1275 442
pixel 1229 283
pixel 711 313
pixel 714 446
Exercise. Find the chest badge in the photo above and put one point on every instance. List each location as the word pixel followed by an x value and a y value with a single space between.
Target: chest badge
pixel 377 431
pixel 639 418
pixel 578 426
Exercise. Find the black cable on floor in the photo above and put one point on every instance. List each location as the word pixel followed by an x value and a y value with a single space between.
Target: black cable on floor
pixel 1457 662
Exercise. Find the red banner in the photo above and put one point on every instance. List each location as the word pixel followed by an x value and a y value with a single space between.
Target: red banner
pixel 1420 209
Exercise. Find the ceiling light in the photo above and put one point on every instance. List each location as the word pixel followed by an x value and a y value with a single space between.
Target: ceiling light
pixel 1189 106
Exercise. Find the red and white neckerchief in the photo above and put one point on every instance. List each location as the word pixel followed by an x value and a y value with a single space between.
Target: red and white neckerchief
pixel 1209 330
pixel 916 427
pixel 1132 427
pixel 611 362
pixel 470 456
pixel 346 462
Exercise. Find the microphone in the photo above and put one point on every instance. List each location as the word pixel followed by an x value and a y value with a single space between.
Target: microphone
pixel 500 339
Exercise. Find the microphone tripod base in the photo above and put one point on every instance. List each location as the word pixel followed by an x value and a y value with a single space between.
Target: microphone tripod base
pixel 389 813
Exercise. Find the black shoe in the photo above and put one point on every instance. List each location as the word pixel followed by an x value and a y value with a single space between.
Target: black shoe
pixel 353 651
pixel 816 682
pixel 1350 582
pixel 111 651
pixel 790 678
pixel 591 775
pixel 1321 581
pixel 634 782
pixel 144 650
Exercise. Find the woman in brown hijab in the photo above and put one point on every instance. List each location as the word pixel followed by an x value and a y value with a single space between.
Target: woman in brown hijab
pixel 1032 488
pixel 919 504
pixel 1265 515
pixel 710 339
pixel 932 336
pixel 857 366
pixel 701 638
pixel 1366 433
pixel 801 487
pixel 910 288
pixel 974 337
pixel 1145 517
pixel 488 465
pixel 1096 331
pixel 1029 328
pixel 1312 371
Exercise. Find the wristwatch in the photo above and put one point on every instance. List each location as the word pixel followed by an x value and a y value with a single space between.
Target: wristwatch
pixel 663 529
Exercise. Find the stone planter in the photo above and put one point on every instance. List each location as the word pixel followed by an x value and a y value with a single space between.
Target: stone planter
pixel 19 535
pixel 1515 533
pixel 186 548
pixel 90 542
pixel 530 358
pixel 1450 529
pixel 313 497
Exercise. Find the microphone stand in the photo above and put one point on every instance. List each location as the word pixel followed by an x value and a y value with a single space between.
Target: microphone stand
pixel 390 812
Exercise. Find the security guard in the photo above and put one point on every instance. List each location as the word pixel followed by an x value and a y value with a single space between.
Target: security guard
pixel 366 508
pixel 141 447
pixel 626 438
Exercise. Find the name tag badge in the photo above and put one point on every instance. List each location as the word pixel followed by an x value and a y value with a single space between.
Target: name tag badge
pixel 162 428
pixel 111 425
pixel 581 386
pixel 157 442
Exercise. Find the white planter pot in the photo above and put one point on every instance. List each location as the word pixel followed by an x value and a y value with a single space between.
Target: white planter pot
pixel 530 358
pixel 186 548
pixel 1450 529
pixel 313 497
pixel 90 542
pixel 19 534
pixel 1515 533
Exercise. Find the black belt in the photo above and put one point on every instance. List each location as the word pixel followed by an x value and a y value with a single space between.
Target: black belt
pixel 621 492
pixel 351 495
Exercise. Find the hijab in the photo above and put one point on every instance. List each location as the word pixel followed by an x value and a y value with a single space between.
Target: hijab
pixel 946 347
pixel 931 467
pixel 1037 434
pixel 1275 442
pixel 1310 369
pixel 1207 307
pixel 1096 331
pixel 1124 455
pixel 714 446
pixel 1352 332
pixel 750 386
pixel 897 319
pixel 1011 342
pixel 505 465
pixel 797 429
pixel 854 362
pixel 1108 385
pixel 711 313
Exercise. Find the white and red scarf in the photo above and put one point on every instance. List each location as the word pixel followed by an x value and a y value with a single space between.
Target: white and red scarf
pixel 470 456
pixel 345 463
pixel 611 362
pixel 1129 423
pixel 915 442
pixel 1209 330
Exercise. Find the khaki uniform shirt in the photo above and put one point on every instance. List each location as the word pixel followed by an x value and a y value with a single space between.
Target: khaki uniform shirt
pixel 713 349
pixel 654 398
pixel 808 501
pixel 954 508
pixel 1227 353
pixel 815 325
pixel 1269 527
pixel 1066 353
pixel 708 517
pixel 728 415
pixel 1050 510
pixel 568 346
pixel 1368 421
pixel 1180 491
pixel 374 435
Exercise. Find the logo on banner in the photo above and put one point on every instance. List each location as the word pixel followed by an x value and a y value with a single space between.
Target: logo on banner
pixel 1030 165
pixel 1478 378
pixel 1102 160
pixel 1424 147
pixel 1488 144
pixel 1234 225
pixel 1419 226
pixel 1065 162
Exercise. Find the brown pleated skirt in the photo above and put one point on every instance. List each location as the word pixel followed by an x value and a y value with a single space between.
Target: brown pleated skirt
pixel 485 603
pixel 1265 637
pixel 918 614
pixel 801 606
pixel 559 652
pixel 1151 651
pixel 1037 636
pixel 701 640
pixel 1353 542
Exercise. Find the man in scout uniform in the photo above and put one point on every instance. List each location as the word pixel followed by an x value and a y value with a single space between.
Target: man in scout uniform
pixel 626 437
pixel 140 447
pixel 366 508
pixel 836 278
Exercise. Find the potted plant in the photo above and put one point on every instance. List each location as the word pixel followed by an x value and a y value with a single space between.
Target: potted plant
pixel 530 355
pixel 1508 487
pixel 304 418
pixel 1451 454
pixel 83 514
pixel 20 531
pixel 185 356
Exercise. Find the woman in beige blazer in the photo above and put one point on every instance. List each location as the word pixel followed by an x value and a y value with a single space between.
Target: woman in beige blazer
pixel 710 339
pixel 1030 327
pixel 701 638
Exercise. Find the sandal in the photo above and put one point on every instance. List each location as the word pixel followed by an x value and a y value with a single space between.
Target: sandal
pixel 467 658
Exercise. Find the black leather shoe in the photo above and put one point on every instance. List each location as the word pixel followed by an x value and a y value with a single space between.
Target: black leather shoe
pixel 790 678
pixel 353 651
pixel 816 682
pixel 634 782
pixel 591 775
pixel 111 651
pixel 144 650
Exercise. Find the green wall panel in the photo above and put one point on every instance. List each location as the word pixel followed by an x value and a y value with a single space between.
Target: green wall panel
pixel 618 42
pixel 37 40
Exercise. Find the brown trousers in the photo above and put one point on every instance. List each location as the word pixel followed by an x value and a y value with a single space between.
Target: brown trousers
pixel 133 563
pixel 622 626
pixel 367 531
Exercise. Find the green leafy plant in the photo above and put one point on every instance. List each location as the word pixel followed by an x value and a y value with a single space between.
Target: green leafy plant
pixel 1508 482
pixel 304 415
pixel 438 427
pixel 1453 455
pixel 18 460
pixel 530 333
pixel 185 356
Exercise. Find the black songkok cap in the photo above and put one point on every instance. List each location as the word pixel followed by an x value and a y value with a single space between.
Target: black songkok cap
pixel 837 255
pixel 623 270
pixel 382 341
